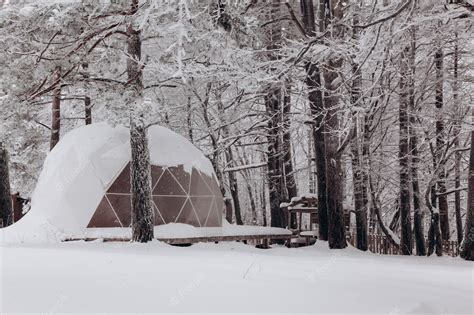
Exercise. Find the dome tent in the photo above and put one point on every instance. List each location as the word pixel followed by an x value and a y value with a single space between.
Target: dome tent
pixel 85 182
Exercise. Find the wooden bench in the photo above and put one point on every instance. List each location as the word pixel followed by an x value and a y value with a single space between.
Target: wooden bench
pixel 309 236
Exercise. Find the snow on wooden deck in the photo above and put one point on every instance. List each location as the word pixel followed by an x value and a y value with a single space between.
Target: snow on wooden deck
pixel 178 230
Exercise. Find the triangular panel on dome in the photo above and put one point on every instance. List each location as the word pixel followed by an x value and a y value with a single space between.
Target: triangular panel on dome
pixel 122 205
pixel 198 186
pixel 156 172
pixel 167 185
pixel 122 183
pixel 181 176
pixel 208 181
pixel 215 186
pixel 169 206
pixel 188 215
pixel 212 220
pixel 158 218
pixel 104 216
pixel 202 206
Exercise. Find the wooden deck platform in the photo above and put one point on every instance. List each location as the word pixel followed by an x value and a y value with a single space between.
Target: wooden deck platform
pixel 191 240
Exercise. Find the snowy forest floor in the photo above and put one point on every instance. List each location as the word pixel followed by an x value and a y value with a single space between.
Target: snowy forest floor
pixel 227 277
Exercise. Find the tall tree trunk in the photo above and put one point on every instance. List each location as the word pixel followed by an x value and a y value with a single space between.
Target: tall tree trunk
pixel 273 100
pixel 56 110
pixel 251 191
pixel 140 169
pixel 263 195
pixel 253 206
pixel 417 211
pixel 413 142
pixel 457 156
pixel 440 145
pixel 360 205
pixel 87 99
pixel 140 179
pixel 189 119
pixel 6 211
pixel 232 176
pixel 234 188
pixel 360 188
pixel 87 110
pixel 334 174
pixel 404 201
pixel 365 173
pixel 315 97
pixel 467 246
pixel 289 176
pixel 220 180
pixel 435 244
pixel 313 81
pixel 215 155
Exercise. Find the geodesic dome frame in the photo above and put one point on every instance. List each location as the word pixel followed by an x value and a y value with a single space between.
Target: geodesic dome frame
pixel 178 197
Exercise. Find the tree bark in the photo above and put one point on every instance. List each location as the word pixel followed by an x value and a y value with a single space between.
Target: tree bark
pixel 315 97
pixel 189 119
pixel 404 201
pixel 440 145
pixel 457 131
pixel 365 171
pixel 334 174
pixel 360 206
pixel 6 211
pixel 360 187
pixel 87 99
pixel 467 246
pixel 140 169
pixel 234 189
pixel 253 206
pixel 413 143
pixel 87 110
pixel 273 100
pixel 140 179
pixel 288 171
pixel 56 110
pixel 233 184
pixel 263 201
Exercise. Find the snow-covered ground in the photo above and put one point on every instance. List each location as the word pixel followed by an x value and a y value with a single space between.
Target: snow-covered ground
pixel 227 277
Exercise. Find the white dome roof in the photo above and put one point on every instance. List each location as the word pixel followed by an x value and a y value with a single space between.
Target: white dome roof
pixel 78 170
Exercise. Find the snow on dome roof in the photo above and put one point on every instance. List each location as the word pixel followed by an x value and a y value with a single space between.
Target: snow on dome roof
pixel 79 168
pixel 171 149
